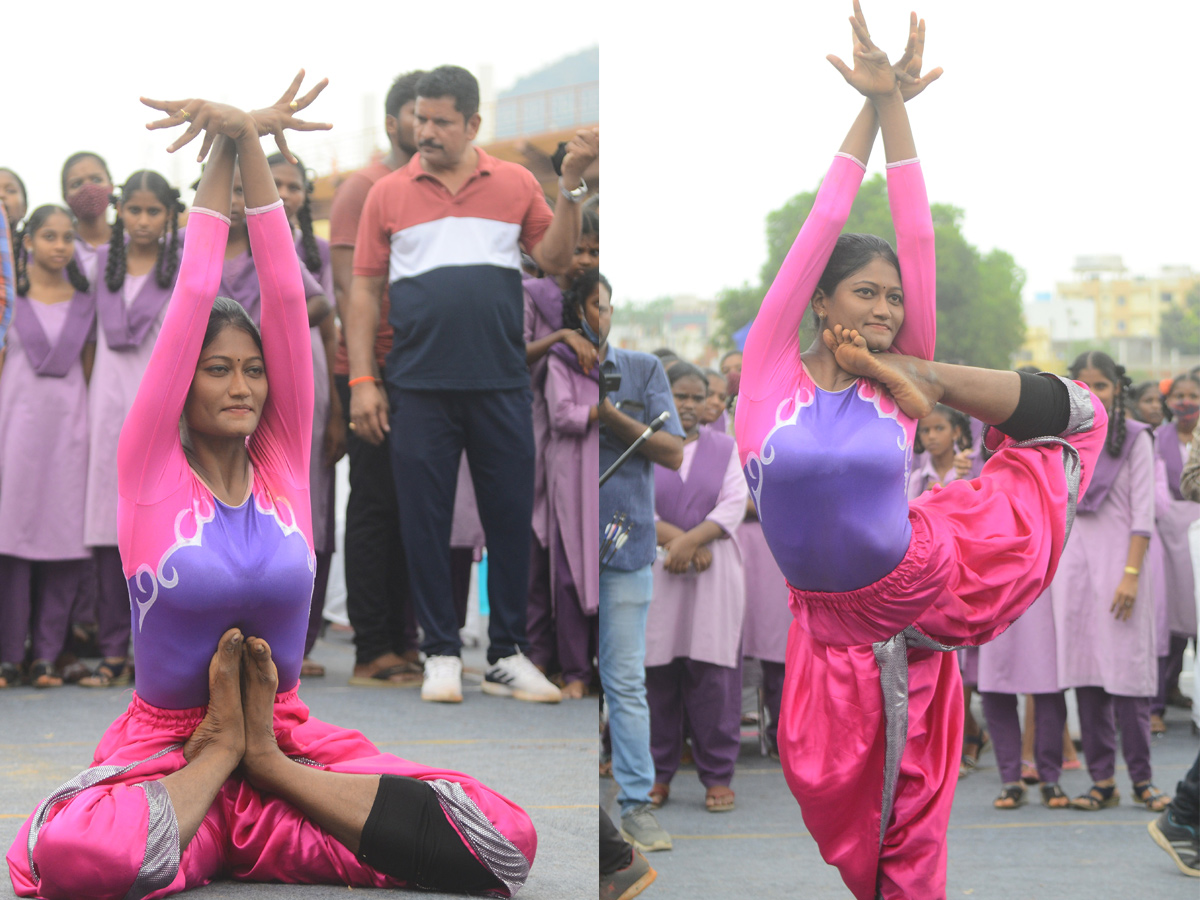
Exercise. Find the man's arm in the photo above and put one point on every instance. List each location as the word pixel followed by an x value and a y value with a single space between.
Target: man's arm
pixel 368 404
pixel 661 447
pixel 554 251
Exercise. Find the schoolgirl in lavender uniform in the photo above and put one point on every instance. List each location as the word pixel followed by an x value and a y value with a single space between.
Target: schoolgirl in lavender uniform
pixel 329 424
pixel 572 466
pixel 137 270
pixel 43 446
pixel 87 188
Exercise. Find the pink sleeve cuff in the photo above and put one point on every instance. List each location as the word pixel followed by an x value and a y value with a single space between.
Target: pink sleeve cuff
pixel 260 210
pixel 854 159
pixel 903 162
pixel 209 212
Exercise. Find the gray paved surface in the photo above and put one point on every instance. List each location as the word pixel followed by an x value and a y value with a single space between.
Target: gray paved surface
pixel 542 757
pixel 761 849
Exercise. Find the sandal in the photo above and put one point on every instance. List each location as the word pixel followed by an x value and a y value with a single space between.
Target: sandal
pixel 1150 797
pixel 574 690
pixel 42 675
pixel 1097 798
pixel 401 675
pixel 10 675
pixel 108 674
pixel 1029 772
pixel 1157 724
pixel 310 669
pixel 980 742
pixel 659 794
pixel 719 798
pixel 1053 796
pixel 1012 796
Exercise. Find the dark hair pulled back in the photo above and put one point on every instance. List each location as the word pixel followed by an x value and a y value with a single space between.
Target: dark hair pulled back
pixel 227 313
pixel 35 221
pixel 167 263
pixel 957 419
pixel 1110 369
pixel 684 369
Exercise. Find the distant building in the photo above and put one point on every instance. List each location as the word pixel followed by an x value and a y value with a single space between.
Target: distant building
pixel 685 323
pixel 1127 306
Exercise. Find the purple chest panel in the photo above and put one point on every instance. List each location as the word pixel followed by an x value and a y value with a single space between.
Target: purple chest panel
pixel 830 485
pixel 241 567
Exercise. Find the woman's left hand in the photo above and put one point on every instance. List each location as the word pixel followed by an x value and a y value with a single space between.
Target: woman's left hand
pixel 910 63
pixel 1122 605
pixel 281 115
pixel 702 558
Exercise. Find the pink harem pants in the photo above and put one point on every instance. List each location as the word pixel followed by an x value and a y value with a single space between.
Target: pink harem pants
pixel 981 552
pixel 111 840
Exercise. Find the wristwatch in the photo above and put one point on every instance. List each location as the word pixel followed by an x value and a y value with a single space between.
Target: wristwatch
pixel 576 195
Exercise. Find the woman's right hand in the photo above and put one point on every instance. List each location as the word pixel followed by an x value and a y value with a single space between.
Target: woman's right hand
pixel 281 115
pixel 872 76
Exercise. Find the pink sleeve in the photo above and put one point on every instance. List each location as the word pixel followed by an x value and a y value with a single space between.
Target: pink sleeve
pixel 771 359
pixel 283 436
pixel 730 508
pixel 918 268
pixel 567 414
pixel 150 458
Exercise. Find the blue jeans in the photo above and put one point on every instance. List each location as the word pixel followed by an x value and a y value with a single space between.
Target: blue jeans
pixel 624 605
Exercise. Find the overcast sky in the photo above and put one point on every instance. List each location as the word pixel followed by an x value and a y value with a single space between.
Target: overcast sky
pixel 1060 128
pixel 75 70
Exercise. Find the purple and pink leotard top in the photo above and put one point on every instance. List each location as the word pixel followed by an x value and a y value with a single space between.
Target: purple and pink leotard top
pixel 196 566
pixel 829 470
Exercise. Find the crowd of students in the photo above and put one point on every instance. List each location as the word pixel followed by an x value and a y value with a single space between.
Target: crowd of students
pixel 87 285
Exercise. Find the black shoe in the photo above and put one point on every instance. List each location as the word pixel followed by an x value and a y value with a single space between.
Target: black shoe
pixel 1181 841
pixel 628 882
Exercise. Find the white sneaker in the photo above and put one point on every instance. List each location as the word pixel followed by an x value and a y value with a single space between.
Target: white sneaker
pixel 515 676
pixel 443 679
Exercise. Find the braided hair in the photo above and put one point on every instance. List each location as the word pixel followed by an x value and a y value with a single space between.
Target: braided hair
pixel 168 249
pixel 12 226
pixel 575 297
pixel 1108 367
pixel 35 221
pixel 312 254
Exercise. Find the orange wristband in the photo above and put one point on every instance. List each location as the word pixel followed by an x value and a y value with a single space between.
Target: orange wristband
pixel 362 379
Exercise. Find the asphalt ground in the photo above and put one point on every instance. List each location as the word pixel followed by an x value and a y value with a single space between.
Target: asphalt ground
pixel 542 757
pixel 762 850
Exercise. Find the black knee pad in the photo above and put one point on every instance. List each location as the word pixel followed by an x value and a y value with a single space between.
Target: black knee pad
pixel 408 836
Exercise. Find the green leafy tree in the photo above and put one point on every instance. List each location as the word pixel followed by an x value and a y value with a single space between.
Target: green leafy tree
pixel 1181 325
pixel 979 297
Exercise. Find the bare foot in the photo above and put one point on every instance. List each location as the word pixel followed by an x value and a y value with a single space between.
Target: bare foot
pixel 260 680
pixel 907 378
pixel 222 724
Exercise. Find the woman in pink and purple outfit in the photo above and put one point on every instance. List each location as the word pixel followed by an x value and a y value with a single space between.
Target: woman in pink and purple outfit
pixel 872 710
pixel 199 780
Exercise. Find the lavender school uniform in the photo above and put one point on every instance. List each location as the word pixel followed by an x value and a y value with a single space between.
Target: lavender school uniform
pixel 1173 526
pixel 1094 648
pixel 699 616
pixel 768 617
pixel 239 281
pixel 543 317
pixel 128 325
pixel 43 430
pixel 572 467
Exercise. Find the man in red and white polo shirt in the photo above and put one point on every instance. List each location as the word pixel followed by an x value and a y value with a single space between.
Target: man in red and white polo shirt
pixel 445 233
